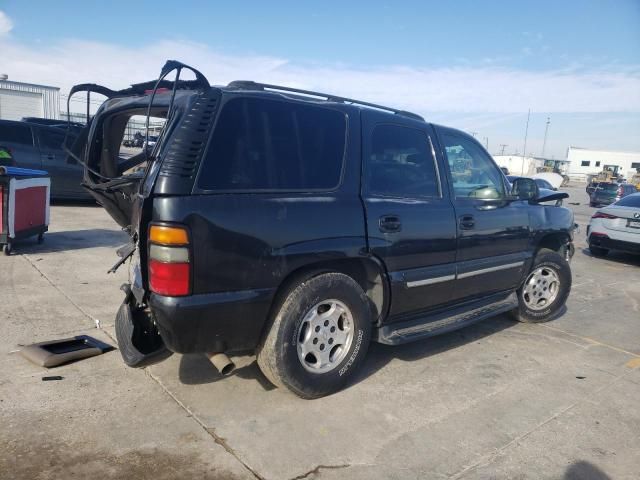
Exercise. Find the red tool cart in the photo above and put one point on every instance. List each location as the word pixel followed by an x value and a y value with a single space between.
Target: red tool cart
pixel 24 205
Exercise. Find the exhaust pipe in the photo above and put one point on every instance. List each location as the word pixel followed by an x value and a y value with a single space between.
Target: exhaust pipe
pixel 223 364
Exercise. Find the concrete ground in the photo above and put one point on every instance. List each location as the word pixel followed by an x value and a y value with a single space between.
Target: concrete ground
pixel 495 400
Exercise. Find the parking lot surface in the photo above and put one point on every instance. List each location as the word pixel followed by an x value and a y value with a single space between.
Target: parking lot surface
pixel 495 400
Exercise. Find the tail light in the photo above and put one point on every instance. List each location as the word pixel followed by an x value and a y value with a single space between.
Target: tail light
pixel 169 261
pixel 603 215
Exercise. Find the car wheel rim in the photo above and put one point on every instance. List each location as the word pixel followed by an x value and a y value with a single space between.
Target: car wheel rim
pixel 541 288
pixel 324 336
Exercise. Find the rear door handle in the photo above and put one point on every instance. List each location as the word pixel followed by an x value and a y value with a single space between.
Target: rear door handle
pixel 390 223
pixel 467 222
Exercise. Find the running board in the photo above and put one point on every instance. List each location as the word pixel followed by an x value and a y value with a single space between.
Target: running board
pixel 445 320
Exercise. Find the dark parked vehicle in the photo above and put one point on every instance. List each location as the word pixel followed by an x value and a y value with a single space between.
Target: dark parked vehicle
pixel 39 147
pixel 541 182
pixel 606 193
pixel 301 226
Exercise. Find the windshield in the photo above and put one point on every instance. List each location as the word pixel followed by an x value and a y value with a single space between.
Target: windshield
pixel 607 187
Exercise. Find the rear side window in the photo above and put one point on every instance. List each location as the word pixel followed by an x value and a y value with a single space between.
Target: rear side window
pixel 630 201
pixel 401 164
pixel 16 133
pixel 263 144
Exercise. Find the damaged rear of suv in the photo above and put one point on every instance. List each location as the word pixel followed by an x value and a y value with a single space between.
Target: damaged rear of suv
pixel 300 226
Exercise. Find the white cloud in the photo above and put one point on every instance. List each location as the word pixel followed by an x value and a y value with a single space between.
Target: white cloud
pixel 424 90
pixel 6 25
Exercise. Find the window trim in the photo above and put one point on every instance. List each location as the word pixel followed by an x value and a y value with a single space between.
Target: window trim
pixel 454 197
pixel 225 101
pixel 366 164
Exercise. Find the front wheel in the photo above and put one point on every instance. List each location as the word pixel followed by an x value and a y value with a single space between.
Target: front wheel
pixel 546 288
pixel 318 337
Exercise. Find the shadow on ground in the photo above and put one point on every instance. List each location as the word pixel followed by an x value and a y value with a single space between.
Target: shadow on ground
pixel 197 370
pixel 615 256
pixel 380 355
pixel 73 240
pixel 582 470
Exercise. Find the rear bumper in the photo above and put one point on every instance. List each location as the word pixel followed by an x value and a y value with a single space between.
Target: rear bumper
pixel 214 322
pixel 612 244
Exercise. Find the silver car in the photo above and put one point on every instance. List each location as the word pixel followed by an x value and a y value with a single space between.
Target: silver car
pixel 616 227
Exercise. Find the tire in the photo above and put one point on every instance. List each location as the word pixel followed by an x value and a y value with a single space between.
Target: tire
pixel 138 339
pixel 545 290
pixel 598 251
pixel 7 249
pixel 329 312
pixel 40 238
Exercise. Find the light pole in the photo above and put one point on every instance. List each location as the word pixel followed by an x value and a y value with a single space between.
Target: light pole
pixel 544 142
pixel 526 132
pixel 502 147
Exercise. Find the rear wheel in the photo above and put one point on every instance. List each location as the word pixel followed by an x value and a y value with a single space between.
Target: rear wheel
pixel 318 337
pixel 8 248
pixel 546 288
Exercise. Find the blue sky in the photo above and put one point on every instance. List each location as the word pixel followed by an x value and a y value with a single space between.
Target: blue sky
pixel 474 65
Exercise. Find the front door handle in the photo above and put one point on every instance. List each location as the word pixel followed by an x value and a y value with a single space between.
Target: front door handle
pixel 390 223
pixel 467 222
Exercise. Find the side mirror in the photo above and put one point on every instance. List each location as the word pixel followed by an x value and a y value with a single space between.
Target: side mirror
pixel 524 189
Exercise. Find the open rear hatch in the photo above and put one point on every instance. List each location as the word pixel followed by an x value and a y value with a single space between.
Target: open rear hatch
pixel 122 181
pixel 114 176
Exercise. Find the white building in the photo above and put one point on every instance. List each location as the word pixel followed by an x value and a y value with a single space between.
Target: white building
pixel 517 164
pixel 584 161
pixel 19 100
pixel 529 166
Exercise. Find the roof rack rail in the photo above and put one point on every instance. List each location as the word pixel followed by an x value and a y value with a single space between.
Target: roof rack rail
pixel 250 85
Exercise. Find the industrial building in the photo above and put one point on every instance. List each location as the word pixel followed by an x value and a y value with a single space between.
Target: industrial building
pixel 528 166
pixel 18 100
pixel 585 162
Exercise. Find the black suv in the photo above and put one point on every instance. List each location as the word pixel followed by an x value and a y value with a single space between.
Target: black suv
pixel 301 226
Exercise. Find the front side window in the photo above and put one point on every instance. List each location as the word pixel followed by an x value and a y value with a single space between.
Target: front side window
pixel 261 144
pixel 15 133
pixel 401 163
pixel 473 172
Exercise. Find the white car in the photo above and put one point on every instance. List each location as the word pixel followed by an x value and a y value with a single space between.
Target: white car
pixel 616 227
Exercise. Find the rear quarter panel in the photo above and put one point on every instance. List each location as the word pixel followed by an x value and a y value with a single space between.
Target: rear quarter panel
pixel 253 241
